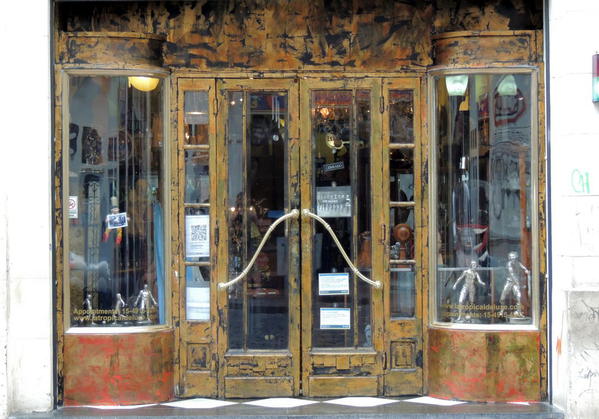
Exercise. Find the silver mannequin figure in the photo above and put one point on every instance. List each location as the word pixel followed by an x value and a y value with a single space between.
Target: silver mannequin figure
pixel 118 308
pixel 144 299
pixel 513 283
pixel 468 291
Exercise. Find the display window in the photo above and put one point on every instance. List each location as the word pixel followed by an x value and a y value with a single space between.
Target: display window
pixel 484 199
pixel 114 214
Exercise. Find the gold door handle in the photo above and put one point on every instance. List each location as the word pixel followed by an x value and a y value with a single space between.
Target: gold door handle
pixel 294 213
pixel 308 213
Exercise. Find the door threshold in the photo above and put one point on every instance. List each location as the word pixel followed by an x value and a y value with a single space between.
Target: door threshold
pixel 312 408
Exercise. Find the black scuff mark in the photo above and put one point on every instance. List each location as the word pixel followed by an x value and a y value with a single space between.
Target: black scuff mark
pixel 393 29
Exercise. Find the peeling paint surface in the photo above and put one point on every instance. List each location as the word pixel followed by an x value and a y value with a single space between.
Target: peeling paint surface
pixel 297 34
pixel 118 369
pixel 485 366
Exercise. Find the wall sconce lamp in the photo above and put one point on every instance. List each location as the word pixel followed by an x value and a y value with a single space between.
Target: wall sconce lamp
pixel 596 78
pixel 456 85
pixel 145 84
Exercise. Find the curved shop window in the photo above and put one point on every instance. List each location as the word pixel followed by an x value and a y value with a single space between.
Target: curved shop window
pixel 485 197
pixel 114 191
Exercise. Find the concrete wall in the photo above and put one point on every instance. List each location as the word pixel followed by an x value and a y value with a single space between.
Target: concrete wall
pixel 574 130
pixel 25 225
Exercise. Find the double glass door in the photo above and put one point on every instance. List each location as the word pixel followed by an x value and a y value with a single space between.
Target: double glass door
pixel 285 225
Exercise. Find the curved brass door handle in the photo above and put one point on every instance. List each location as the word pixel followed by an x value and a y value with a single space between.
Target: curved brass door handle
pixel 308 213
pixel 294 213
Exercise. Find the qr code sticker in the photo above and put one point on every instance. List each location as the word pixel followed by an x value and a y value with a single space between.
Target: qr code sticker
pixel 199 233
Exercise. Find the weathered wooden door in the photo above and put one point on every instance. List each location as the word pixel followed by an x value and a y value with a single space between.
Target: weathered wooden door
pixel 298 294
pixel 342 238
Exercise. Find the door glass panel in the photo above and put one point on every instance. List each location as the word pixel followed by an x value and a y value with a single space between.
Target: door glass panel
pixel 196 117
pixel 341 145
pixel 402 233
pixel 403 291
pixel 257 196
pixel 401 175
pixel 197 179
pixel 197 293
pixel 401 116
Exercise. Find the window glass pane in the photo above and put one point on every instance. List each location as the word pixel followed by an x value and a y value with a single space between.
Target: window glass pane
pixel 402 233
pixel 483 185
pixel 258 307
pixel 401 175
pixel 116 213
pixel 401 116
pixel 197 177
pixel 341 130
pixel 196 117
pixel 403 291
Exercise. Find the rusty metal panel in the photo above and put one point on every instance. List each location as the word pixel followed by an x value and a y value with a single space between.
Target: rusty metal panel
pixel 106 48
pixel 488 47
pixel 485 365
pixel 118 369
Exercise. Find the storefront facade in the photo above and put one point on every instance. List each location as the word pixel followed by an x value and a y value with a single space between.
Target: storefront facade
pixel 299 199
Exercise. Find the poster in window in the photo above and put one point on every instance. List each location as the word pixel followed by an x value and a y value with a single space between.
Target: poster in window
pixel 197 236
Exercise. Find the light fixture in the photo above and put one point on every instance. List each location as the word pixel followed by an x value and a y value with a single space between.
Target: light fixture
pixel 596 78
pixel 145 84
pixel 507 86
pixel 456 85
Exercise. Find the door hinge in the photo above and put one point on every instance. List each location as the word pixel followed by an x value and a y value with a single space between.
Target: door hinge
pixel 215 105
pixel 383 234
pixel 382 104
pixel 216 238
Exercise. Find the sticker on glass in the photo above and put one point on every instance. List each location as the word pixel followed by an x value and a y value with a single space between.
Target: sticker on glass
pixel 333 284
pixel 197 236
pixel 335 318
pixel 73 206
pixel 333 201
pixel 118 220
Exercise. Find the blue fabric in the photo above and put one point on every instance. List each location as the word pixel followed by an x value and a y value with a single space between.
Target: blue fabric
pixel 159 259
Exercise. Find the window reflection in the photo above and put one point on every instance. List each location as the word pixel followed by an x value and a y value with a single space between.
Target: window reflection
pixel 115 207
pixel 484 198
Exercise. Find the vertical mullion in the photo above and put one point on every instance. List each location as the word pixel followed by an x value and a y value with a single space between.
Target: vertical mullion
pixel 246 157
pixel 353 166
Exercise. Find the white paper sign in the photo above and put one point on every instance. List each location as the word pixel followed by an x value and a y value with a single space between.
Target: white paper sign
pixel 198 303
pixel 73 206
pixel 335 318
pixel 333 201
pixel 333 284
pixel 197 236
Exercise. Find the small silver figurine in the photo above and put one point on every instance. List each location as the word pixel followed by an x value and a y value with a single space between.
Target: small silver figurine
pixel 144 299
pixel 513 284
pixel 118 308
pixel 468 291
pixel 87 306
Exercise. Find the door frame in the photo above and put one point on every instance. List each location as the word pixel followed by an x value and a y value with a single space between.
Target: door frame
pixel 296 363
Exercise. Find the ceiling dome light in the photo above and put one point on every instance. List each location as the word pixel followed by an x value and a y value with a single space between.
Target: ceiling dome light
pixel 145 84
